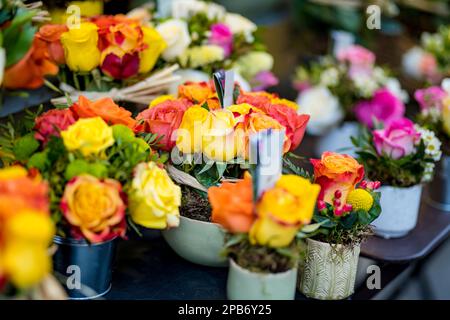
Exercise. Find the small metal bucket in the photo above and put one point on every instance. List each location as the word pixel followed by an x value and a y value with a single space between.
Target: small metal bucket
pixel 85 269
pixel 438 191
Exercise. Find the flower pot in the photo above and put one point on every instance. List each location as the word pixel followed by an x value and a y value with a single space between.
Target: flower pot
pixel 198 242
pixel 86 268
pixel 399 211
pixel 328 272
pixel 438 191
pixel 243 284
pixel 338 139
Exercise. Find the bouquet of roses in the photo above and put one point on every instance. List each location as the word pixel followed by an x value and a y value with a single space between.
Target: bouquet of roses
pixel 402 154
pixel 24 59
pixel 348 86
pixel 26 231
pixel 97 168
pixel 434 114
pixel 203 38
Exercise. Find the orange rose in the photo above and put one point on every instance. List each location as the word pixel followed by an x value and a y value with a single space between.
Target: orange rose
pixel 232 205
pixel 260 100
pixel 30 71
pixel 200 93
pixel 336 172
pixel 51 35
pixel 104 108
pixel 255 122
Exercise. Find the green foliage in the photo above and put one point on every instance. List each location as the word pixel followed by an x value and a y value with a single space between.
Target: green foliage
pixel 290 168
pixel 25 146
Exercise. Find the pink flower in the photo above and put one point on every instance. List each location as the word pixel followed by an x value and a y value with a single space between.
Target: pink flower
pixel 430 97
pixel 360 59
pixel 52 123
pixel 428 66
pixel 384 106
pixel 397 140
pixel 121 68
pixel 222 36
pixel 264 80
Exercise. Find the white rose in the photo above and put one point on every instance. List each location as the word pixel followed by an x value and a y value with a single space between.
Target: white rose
pixel 393 85
pixel 184 9
pixel 411 62
pixel 176 34
pixel 322 106
pixel 239 24
pixel 252 63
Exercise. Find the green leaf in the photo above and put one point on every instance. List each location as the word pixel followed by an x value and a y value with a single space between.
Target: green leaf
pixel 18 37
pixel 76 168
pixel 39 160
pixel 122 133
pixel 98 170
pixel 25 147
pixel 313 227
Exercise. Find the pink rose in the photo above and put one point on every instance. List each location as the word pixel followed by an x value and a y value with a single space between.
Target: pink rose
pixel 428 66
pixel 52 123
pixel 264 80
pixel 121 67
pixel 384 106
pixel 430 97
pixel 397 140
pixel 356 55
pixel 222 36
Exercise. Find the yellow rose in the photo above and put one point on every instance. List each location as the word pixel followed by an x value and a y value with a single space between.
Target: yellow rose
pixel 154 198
pixel 285 102
pixel 30 226
pixel 161 99
pixel 243 108
pixel 24 264
pixel 196 121
pixel 89 136
pixel 283 210
pixel 87 9
pixel 446 115
pixel 201 55
pixel 156 45
pixel 14 172
pixel 80 47
pixel 219 141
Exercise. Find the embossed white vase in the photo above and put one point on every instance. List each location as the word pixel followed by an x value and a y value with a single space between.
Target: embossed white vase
pixel 328 272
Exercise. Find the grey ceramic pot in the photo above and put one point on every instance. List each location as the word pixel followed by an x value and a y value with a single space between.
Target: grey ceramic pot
pixel 243 284
pixel 198 242
pixel 438 191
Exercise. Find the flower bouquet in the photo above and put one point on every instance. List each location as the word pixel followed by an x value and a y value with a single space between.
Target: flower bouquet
pixel 346 207
pixel 209 144
pixel 204 38
pixel 402 156
pixel 97 170
pixel 261 240
pixel 347 87
pixel 434 104
pixel 26 232
pixel 24 60
pixel 107 56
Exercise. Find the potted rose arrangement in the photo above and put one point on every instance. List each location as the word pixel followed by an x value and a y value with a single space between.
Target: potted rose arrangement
pixel 97 168
pixel 207 144
pixel 434 115
pixel 26 231
pixel 346 207
pixel 338 90
pixel 402 156
pixel 261 241
pixel 204 38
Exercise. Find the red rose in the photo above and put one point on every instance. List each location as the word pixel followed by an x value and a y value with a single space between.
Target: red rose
pixel 163 119
pixel 121 67
pixel 294 123
pixel 52 123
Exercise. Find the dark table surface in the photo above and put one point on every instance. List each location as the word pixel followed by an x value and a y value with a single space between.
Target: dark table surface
pixel 16 101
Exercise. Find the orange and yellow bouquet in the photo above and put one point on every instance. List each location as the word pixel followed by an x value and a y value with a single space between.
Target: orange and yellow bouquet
pixel 262 231
pixel 26 230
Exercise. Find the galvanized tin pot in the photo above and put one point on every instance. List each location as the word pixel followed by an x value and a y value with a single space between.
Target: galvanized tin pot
pixel 243 284
pixel 86 268
pixel 338 139
pixel 438 191
pixel 328 273
pixel 198 242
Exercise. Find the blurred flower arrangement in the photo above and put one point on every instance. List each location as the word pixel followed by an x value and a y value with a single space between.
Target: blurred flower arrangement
pixel 347 204
pixel 26 231
pixel 438 45
pixel 58 9
pixel 263 232
pixel 400 154
pixel 204 37
pixel 349 86
pixel 24 59
pixel 97 168
pixel 434 114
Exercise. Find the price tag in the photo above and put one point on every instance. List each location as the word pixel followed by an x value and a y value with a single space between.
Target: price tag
pixel 266 157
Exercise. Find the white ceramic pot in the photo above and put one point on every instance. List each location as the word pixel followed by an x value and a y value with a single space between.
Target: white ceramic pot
pixel 338 139
pixel 198 242
pixel 399 211
pixel 243 284
pixel 328 273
